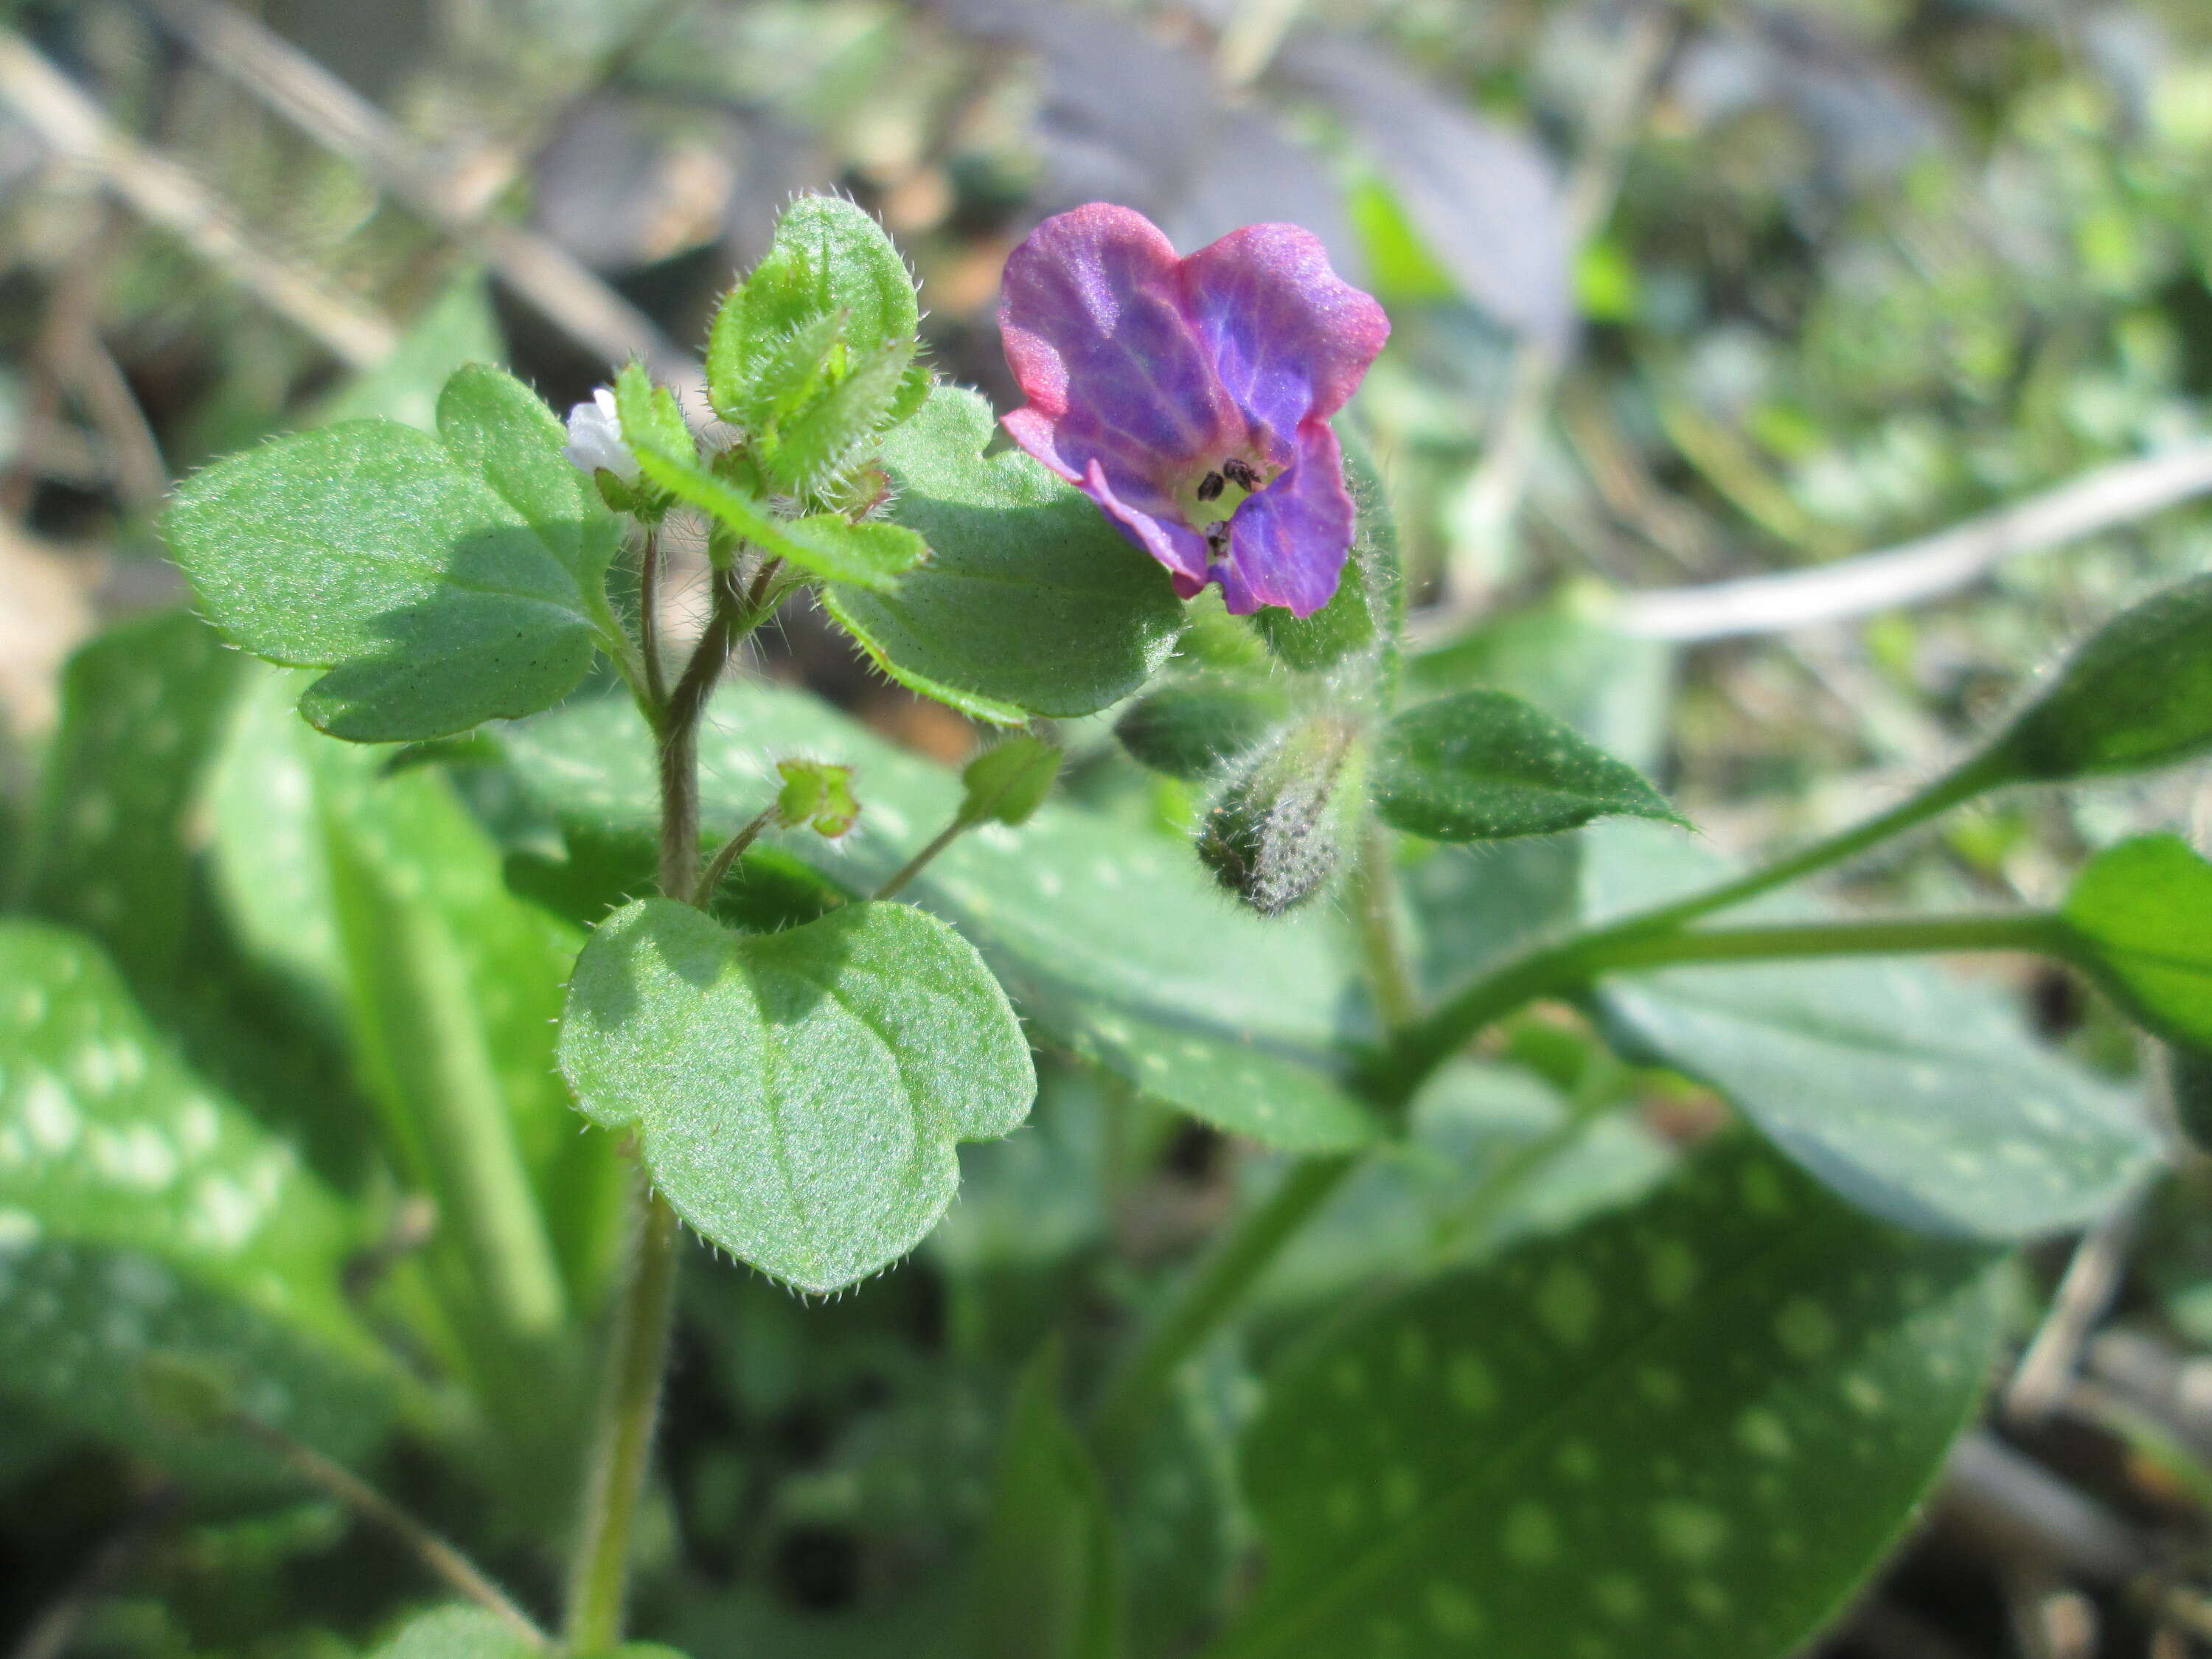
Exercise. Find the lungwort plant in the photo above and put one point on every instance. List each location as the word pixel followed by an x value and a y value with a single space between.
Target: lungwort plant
pixel 299 1017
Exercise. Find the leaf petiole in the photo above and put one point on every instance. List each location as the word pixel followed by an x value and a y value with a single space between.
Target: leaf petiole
pixel 729 853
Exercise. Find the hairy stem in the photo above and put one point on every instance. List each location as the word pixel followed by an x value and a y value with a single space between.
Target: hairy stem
pixel 649 620
pixel 1575 962
pixel 629 1404
pixel 623 1455
pixel 1381 944
pixel 679 738
pixel 1215 1288
pixel 2034 930
pixel 727 855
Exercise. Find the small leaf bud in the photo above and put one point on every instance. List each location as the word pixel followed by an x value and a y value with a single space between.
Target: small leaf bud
pixel 817 795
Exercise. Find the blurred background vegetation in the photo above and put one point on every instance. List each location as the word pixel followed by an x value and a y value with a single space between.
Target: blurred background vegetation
pixel 1685 297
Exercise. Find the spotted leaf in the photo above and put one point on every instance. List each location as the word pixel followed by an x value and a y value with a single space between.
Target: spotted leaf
pixel 1689 1428
pixel 142 1214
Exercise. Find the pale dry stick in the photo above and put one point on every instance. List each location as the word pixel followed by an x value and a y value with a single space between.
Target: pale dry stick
pixel 1250 40
pixel 1494 494
pixel 438 1556
pixel 1927 569
pixel 2039 1381
pixel 134 453
pixel 71 357
pixel 71 294
pixel 539 271
pixel 54 1630
pixel 169 197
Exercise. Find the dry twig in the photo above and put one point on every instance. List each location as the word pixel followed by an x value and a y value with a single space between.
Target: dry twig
pixel 540 272
pixel 1495 493
pixel 1927 569
pixel 167 195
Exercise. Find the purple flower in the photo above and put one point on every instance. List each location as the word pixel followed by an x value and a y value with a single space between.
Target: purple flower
pixel 1190 397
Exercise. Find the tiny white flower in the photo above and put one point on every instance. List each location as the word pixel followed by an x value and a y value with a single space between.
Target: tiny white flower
pixel 595 439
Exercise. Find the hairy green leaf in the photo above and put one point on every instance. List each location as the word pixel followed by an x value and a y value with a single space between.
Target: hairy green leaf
pixel 826 545
pixel 798 1094
pixel 458 1632
pixel 1691 1429
pixel 1920 1096
pixel 830 431
pixel 1485 766
pixel 1046 1579
pixel 2141 914
pixel 1030 603
pixel 143 1214
pixel 827 258
pixel 501 431
pixel 1117 946
pixel 2137 694
pixel 466 1631
pixel 443 582
pixel 1613 689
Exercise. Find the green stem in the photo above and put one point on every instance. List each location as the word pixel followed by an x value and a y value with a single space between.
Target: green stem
pixel 1961 784
pixel 1406 1064
pixel 730 852
pixel 1214 1290
pixel 1575 962
pixel 598 1586
pixel 629 1404
pixel 2035 930
pixel 1382 945
pixel 914 866
pixel 648 621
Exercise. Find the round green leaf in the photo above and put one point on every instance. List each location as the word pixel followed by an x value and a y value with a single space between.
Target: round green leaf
pixel 1116 946
pixel 1029 603
pixel 1484 765
pixel 2140 914
pixel 443 583
pixel 798 1094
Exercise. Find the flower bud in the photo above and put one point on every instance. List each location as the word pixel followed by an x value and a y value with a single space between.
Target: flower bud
pixel 595 440
pixel 1277 833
